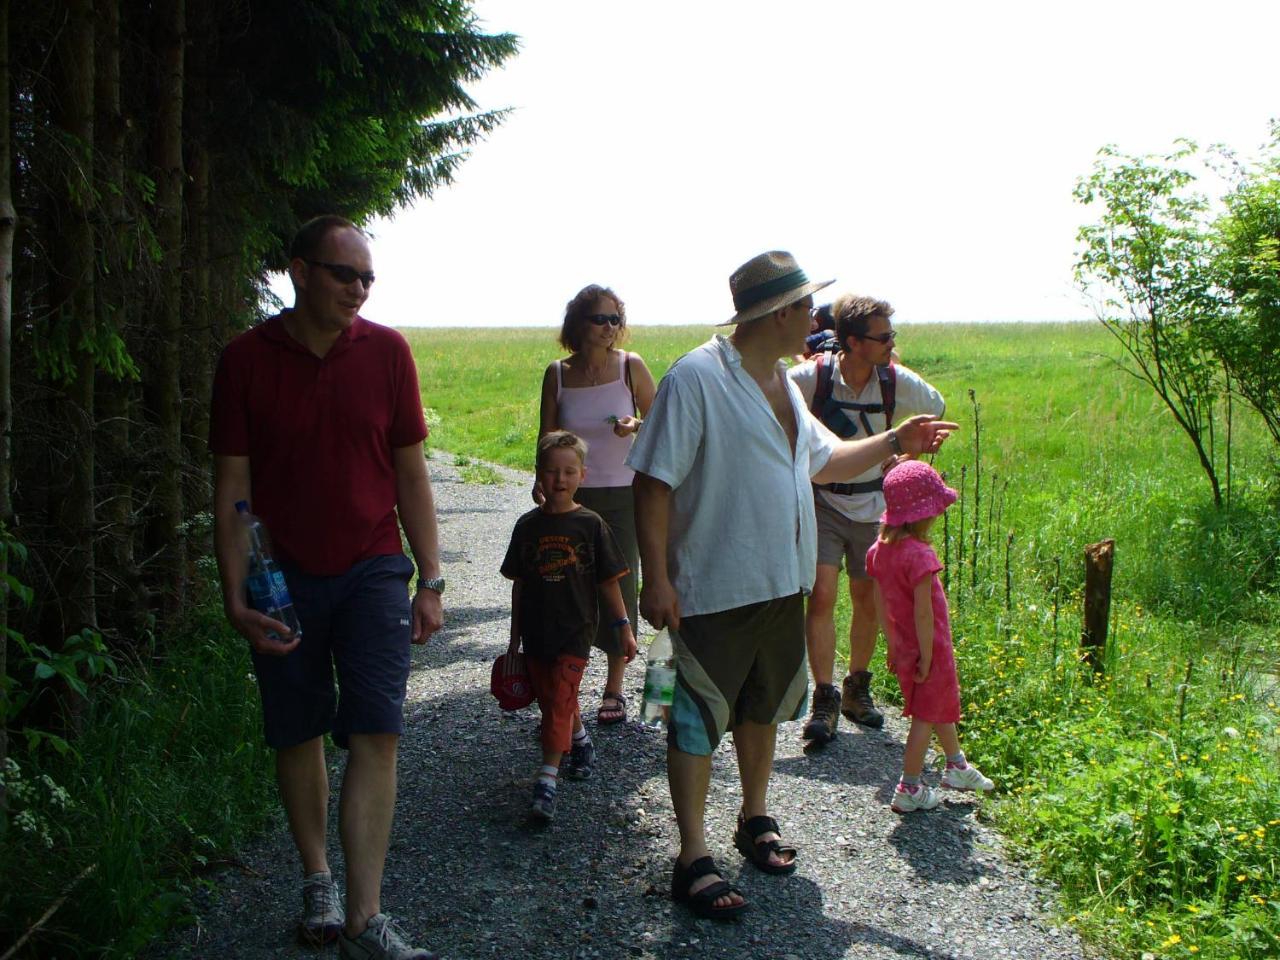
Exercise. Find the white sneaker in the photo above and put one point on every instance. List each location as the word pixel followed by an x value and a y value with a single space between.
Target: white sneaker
pixel 383 940
pixel 966 778
pixel 322 916
pixel 904 801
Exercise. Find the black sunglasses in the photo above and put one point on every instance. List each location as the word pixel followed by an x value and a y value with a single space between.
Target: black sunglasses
pixel 889 337
pixel 345 274
pixel 600 319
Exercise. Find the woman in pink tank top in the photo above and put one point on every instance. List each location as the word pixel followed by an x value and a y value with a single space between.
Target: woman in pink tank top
pixel 602 394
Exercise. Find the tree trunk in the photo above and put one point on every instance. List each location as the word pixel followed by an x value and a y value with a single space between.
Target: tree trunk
pixel 8 225
pixel 1098 562
pixel 198 351
pixel 72 297
pixel 164 380
pixel 117 568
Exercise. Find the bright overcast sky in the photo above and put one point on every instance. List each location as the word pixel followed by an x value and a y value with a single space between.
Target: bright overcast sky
pixel 920 152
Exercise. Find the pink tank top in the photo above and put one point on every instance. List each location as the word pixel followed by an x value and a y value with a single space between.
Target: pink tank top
pixel 586 412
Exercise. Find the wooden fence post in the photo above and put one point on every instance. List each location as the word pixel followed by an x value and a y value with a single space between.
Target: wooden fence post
pixel 1098 561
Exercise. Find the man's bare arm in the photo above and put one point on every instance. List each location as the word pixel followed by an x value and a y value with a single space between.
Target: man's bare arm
pixel 416 505
pixel 658 602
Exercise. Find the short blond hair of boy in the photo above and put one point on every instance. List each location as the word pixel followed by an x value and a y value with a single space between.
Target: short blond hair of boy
pixel 561 439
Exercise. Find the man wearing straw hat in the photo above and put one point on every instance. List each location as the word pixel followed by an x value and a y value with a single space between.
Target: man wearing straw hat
pixel 725 521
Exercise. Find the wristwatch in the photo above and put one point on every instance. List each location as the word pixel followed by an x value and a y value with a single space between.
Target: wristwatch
pixel 894 443
pixel 431 583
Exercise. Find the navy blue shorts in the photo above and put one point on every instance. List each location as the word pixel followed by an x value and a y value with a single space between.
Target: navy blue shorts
pixel 357 624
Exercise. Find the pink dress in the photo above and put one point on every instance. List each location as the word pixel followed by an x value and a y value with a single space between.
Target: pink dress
pixel 897 568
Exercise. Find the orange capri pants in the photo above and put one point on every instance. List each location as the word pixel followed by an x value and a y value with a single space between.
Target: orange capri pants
pixel 555 683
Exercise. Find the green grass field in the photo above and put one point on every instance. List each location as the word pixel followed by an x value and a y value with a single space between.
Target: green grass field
pixel 1150 794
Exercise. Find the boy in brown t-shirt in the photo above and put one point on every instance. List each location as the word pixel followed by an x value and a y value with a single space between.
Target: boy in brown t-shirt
pixel 560 556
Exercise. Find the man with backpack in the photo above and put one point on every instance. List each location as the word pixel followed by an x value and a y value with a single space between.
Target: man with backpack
pixel 858 392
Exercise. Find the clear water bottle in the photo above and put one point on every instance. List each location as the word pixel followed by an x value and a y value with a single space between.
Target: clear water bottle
pixel 268 593
pixel 659 681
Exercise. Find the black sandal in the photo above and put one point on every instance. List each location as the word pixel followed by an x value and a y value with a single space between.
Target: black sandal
pixel 757 851
pixel 703 902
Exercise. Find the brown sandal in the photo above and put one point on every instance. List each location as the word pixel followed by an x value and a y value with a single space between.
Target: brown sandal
pixel 608 715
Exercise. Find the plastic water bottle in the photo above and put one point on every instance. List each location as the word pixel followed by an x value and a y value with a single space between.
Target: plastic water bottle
pixel 268 593
pixel 659 681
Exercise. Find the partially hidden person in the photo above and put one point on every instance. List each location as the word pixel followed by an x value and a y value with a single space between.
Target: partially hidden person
pixel 317 420
pixel 913 610
pixel 724 516
pixel 564 568
pixel 602 393
pixel 856 391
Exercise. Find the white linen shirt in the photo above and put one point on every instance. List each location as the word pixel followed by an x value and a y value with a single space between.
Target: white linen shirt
pixel 912 395
pixel 742 527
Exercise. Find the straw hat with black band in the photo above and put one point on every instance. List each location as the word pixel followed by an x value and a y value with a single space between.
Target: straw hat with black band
pixel 769 282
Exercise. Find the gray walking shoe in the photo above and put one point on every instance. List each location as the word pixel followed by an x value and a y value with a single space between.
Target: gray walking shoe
pixel 856 703
pixel 322 915
pixel 543 807
pixel 381 940
pixel 582 761
pixel 825 718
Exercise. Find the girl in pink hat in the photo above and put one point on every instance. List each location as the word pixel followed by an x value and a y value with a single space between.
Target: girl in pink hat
pixel 913 612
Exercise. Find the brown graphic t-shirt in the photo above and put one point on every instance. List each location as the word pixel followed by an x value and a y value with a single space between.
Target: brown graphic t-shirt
pixel 560 560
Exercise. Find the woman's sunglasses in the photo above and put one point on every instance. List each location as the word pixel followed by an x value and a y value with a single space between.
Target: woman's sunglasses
pixel 600 319
pixel 345 274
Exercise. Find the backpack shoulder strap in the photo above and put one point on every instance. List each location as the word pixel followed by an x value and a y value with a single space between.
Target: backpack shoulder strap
pixel 823 385
pixel 888 391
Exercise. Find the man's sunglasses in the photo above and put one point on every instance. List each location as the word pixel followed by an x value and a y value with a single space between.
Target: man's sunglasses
pixel 600 319
pixel 889 337
pixel 345 274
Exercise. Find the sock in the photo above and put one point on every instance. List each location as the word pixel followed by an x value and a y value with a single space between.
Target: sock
pixel 911 782
pixel 581 737
pixel 547 774
pixel 957 760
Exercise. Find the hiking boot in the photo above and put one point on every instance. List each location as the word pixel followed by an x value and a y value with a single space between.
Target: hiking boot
pixel 544 802
pixel 322 915
pixel 581 762
pixel 824 719
pixel 856 703
pixel 924 797
pixel 966 778
pixel 381 940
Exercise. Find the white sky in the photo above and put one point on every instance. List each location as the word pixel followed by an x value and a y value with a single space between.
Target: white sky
pixel 920 152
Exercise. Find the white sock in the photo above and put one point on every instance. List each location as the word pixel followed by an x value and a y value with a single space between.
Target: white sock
pixel 547 774
pixel 581 736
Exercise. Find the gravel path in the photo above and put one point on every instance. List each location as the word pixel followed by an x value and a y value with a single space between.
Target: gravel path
pixel 467 876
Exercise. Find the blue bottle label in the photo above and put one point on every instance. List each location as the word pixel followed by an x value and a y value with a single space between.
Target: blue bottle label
pixel 279 591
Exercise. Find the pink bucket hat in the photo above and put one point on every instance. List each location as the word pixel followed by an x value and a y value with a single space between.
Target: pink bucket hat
pixel 913 491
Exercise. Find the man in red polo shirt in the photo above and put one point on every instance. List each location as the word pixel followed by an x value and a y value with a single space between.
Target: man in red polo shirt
pixel 317 422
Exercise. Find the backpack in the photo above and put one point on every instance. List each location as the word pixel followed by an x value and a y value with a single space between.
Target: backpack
pixel 828 409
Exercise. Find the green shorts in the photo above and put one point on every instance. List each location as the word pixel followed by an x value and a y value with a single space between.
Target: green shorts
pixel 616 507
pixel 741 665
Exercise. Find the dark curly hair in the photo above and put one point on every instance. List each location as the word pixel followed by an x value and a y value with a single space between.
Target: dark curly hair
pixel 579 308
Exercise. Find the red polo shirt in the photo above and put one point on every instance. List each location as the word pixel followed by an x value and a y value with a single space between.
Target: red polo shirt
pixel 319 433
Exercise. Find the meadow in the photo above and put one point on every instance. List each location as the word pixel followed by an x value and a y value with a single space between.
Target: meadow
pixel 1148 793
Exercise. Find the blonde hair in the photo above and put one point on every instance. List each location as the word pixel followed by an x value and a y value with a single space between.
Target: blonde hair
pixel 561 439
pixel 916 528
